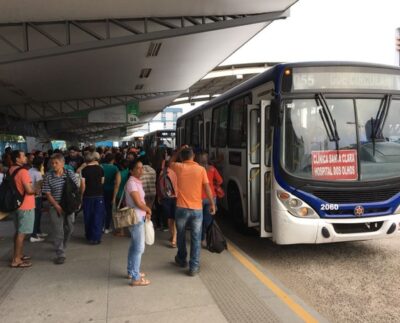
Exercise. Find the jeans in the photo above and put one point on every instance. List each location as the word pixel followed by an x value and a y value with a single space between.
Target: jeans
pixel 63 226
pixel 207 217
pixel 108 195
pixel 136 249
pixel 93 213
pixel 38 216
pixel 194 219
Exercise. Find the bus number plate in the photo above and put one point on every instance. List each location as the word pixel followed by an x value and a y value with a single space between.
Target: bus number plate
pixel 329 207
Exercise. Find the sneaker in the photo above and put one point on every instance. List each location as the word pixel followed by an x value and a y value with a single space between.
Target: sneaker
pixel 193 272
pixel 38 239
pixel 180 263
pixel 59 261
pixel 42 235
pixel 107 231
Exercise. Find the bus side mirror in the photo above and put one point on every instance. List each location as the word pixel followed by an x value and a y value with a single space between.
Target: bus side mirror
pixel 275 113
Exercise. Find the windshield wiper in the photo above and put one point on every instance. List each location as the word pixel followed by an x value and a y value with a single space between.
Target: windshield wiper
pixel 378 123
pixel 327 120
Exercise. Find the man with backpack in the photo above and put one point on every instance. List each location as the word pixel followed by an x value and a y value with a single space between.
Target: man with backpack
pixel 19 191
pixel 61 189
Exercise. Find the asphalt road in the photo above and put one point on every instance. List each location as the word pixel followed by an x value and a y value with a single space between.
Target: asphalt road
pixel 346 282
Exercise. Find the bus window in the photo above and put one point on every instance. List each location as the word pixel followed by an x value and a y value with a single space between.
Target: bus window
pixel 220 126
pixel 208 131
pixel 237 123
pixel 195 131
pixel 188 128
pixel 201 126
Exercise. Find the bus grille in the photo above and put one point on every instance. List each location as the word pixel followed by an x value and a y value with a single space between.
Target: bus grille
pixel 350 228
pixel 351 212
pixel 357 196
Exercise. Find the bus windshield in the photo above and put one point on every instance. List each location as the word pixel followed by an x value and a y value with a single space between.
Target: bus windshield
pixel 366 145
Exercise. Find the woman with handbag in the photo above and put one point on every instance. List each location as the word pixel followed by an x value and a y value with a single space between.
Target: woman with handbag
pixel 215 181
pixel 135 198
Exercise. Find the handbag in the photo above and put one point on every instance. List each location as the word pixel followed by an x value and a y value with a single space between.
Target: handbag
pixel 149 235
pixel 124 217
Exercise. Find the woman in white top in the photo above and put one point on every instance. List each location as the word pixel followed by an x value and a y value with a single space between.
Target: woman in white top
pixel 135 198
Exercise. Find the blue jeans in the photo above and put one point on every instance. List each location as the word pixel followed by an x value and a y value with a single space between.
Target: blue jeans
pixel 136 249
pixel 93 213
pixel 194 219
pixel 207 217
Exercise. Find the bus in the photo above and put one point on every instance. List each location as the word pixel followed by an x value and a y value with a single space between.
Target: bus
pixel 309 152
pixel 159 138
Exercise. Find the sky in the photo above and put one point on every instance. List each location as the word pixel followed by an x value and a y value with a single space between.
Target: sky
pixel 352 30
pixel 326 30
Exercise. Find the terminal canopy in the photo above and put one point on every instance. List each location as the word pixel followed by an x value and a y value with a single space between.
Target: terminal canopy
pixel 61 61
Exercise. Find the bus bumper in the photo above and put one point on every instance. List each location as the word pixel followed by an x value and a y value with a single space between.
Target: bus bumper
pixel 288 229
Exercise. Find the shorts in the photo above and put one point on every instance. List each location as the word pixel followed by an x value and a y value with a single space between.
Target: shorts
pixel 24 221
pixel 168 207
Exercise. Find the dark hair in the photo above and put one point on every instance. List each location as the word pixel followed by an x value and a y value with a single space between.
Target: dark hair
pixel 133 163
pixel 144 159
pixel 15 154
pixel 187 154
pixel 37 162
pixel 124 163
pixel 73 148
pixel 109 158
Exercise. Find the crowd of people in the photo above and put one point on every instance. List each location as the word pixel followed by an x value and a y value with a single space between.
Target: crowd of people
pixel 175 189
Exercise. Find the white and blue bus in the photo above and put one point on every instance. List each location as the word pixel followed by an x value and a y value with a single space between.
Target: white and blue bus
pixel 309 152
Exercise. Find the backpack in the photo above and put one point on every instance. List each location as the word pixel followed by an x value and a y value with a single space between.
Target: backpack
pixel 215 239
pixel 71 196
pixel 10 198
pixel 166 189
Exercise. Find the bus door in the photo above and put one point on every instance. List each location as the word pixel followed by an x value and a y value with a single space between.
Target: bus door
pixel 258 174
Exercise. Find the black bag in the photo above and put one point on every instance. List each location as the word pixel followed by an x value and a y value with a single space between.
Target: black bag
pixel 215 239
pixel 71 196
pixel 10 198
pixel 166 189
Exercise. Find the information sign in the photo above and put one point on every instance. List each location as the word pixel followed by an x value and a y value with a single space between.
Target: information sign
pixel 335 165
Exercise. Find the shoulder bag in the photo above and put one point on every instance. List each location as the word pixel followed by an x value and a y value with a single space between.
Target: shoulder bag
pixel 124 217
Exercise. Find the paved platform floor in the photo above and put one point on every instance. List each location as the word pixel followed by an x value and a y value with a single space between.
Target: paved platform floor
pixel 92 286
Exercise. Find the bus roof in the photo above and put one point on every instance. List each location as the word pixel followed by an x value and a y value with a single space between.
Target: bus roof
pixel 268 75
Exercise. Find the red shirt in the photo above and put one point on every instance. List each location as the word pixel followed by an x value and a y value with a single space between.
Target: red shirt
pixel 22 178
pixel 214 178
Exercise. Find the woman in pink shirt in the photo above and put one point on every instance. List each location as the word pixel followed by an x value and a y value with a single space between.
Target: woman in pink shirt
pixel 134 198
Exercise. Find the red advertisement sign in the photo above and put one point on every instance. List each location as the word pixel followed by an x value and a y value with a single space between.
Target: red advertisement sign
pixel 335 165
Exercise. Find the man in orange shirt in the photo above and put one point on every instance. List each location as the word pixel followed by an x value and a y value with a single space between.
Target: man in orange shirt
pixel 24 216
pixel 192 179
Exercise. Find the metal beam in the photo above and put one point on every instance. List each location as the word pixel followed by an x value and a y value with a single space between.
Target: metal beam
pixel 55 110
pixel 206 25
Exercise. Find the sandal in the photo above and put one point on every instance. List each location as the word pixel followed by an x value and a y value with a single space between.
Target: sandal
pixel 173 244
pixel 140 282
pixel 142 275
pixel 23 264
pixel 25 258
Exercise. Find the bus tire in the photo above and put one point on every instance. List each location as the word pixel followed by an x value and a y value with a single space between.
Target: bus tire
pixel 235 208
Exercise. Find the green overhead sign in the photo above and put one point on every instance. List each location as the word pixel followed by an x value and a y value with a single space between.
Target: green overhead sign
pixel 132 112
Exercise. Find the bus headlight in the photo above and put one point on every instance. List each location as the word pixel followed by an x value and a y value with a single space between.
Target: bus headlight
pixel 295 206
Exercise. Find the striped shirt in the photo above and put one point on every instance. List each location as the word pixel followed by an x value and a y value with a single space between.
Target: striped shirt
pixel 149 179
pixel 54 184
